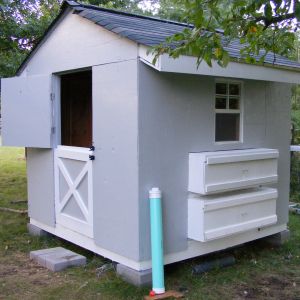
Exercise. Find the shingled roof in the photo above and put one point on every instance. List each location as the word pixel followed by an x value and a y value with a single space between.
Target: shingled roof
pixel 150 31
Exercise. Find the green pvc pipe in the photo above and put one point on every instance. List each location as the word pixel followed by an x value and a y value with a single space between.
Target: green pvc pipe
pixel 158 282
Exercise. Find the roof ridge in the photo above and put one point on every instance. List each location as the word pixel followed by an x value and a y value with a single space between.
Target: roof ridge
pixel 120 12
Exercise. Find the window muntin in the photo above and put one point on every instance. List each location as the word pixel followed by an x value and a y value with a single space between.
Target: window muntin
pixel 221 102
pixel 227 109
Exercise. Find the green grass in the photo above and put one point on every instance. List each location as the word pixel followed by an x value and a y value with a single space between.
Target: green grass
pixel 261 272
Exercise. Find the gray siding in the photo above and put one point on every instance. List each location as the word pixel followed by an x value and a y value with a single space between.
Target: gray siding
pixel 176 116
pixel 114 104
pixel 144 125
pixel 78 43
pixel 40 176
pixel 26 109
pixel 115 169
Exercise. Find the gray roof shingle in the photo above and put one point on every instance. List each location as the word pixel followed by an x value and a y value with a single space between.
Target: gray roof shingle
pixel 150 31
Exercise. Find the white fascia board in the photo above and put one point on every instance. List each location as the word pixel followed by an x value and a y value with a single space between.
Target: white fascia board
pixel 147 58
pixel 188 65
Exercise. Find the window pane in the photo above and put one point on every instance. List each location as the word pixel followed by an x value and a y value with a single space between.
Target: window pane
pixel 234 89
pixel 221 88
pixel 227 127
pixel 220 103
pixel 234 103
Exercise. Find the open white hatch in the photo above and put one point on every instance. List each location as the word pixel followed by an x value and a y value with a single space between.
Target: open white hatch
pixel 222 171
pixel 218 216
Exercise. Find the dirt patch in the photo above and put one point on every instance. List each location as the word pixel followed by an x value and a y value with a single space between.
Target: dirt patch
pixel 270 286
pixel 19 277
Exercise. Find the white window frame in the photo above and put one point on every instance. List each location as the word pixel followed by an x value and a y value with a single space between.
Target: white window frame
pixel 228 111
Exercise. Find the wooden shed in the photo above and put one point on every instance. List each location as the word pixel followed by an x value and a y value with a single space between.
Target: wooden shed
pixel 102 125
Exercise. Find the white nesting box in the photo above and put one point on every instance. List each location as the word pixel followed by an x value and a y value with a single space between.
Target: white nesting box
pixel 222 171
pixel 217 216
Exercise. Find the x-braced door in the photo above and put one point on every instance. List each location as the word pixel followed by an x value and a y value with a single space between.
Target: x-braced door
pixel 73 189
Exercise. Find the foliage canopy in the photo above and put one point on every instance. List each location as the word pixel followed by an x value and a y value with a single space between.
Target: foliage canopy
pixel 261 26
pixel 22 23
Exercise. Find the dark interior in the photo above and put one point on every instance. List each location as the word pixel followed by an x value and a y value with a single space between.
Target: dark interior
pixel 227 127
pixel 76 109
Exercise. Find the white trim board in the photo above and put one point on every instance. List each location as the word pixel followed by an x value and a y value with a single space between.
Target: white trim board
pixel 295 148
pixel 188 65
pixel 194 248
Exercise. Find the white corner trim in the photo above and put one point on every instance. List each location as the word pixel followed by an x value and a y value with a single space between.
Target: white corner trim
pixel 194 248
pixel 188 65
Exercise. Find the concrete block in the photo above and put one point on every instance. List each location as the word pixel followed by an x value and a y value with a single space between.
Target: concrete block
pixel 278 239
pixel 57 259
pixel 137 278
pixel 36 231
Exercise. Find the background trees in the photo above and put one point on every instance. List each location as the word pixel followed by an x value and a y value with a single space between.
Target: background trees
pixel 22 23
pixel 261 26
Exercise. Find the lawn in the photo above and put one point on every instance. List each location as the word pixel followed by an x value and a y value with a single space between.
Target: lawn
pixel 261 272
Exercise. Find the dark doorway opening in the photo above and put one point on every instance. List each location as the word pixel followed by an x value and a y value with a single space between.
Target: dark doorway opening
pixel 76 109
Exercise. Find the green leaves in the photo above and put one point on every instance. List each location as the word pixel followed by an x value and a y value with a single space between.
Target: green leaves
pixel 22 23
pixel 268 11
pixel 261 26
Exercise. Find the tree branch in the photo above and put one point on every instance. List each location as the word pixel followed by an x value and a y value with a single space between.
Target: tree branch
pixel 275 19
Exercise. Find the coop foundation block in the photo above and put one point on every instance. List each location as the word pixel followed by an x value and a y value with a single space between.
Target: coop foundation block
pixel 57 259
pixel 36 231
pixel 278 239
pixel 137 278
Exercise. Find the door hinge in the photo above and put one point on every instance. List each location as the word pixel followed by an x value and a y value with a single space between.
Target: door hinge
pixel 52 130
pixel 52 96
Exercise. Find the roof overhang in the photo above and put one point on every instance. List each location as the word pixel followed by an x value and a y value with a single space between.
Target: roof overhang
pixel 188 65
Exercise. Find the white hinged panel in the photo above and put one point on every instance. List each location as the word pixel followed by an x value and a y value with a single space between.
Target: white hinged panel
pixel 213 217
pixel 74 188
pixel 222 171
pixel 27 111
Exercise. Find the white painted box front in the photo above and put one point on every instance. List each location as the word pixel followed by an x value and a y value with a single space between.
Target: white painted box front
pixel 217 216
pixel 222 171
